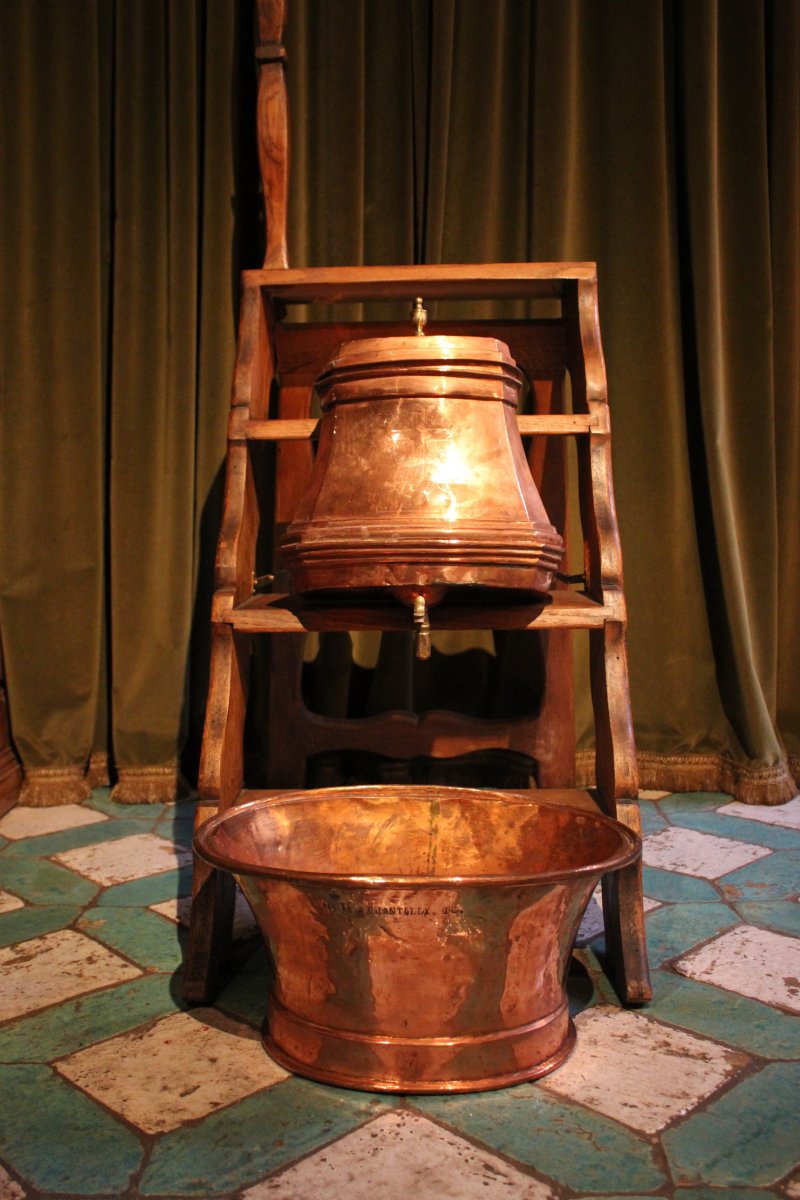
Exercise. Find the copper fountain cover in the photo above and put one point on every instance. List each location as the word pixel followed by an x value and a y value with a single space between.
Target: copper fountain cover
pixel 420 481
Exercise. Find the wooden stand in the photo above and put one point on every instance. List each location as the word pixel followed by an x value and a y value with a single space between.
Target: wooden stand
pixel 276 356
pixel 277 362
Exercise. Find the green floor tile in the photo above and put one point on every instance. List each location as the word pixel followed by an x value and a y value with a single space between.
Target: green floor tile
pixel 58 1139
pixel 652 820
pixel 42 882
pixel 150 889
pixel 25 923
pixel 567 1143
pixel 246 987
pixel 92 1018
pixel 672 886
pixel 178 826
pixel 776 877
pixel 238 1145
pixel 781 915
pixel 711 1193
pixel 725 1016
pixel 145 937
pixel 146 814
pixel 741 829
pixel 693 801
pixel 749 1137
pixel 71 839
pixel 677 928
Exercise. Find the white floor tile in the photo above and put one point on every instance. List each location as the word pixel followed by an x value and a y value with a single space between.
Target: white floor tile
pixel 8 902
pixel 690 852
pixel 125 858
pixel 592 922
pixel 179 910
pixel 52 968
pixel 183 1067
pixel 754 962
pixel 791 1187
pixel 638 1071
pixel 397 1156
pixel 9 1190
pixel 22 822
pixel 768 814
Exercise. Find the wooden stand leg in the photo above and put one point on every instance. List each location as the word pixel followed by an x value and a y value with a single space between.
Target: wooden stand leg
pixel 213 898
pixel 617 789
pixel 221 777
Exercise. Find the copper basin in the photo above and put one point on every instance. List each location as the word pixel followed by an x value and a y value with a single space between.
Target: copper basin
pixel 420 481
pixel 420 936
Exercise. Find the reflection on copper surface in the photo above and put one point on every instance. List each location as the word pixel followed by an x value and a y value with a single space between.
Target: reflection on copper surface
pixel 420 482
pixel 420 936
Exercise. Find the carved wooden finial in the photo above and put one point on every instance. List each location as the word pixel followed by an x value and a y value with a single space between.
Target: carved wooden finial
pixel 273 126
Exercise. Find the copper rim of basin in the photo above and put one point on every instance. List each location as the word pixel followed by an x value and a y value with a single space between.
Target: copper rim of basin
pixel 629 844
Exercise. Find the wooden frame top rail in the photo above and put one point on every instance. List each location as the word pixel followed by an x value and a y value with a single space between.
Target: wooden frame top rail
pixel 285 430
pixel 445 281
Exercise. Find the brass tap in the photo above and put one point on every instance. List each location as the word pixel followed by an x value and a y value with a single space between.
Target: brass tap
pixel 419 316
pixel 422 628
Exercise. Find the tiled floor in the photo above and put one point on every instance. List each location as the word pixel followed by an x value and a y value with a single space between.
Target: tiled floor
pixel 109 1088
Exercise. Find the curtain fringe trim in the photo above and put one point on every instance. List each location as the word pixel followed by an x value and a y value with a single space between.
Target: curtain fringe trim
pixel 150 785
pixel 46 787
pixel 97 775
pixel 707 773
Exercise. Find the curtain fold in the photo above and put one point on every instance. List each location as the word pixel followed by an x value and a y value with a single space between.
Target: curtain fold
pixel 124 226
pixel 637 135
pixel 660 138
pixel 52 404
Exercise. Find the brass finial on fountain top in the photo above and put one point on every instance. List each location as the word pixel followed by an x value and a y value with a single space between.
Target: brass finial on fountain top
pixel 419 316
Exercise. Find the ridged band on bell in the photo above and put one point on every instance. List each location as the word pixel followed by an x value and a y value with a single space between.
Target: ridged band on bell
pixel 420 474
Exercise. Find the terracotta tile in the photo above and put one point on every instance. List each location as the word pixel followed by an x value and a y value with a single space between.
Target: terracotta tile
pixel 125 858
pixel 639 1071
pixel 692 853
pixel 399 1155
pixel 754 962
pixel 54 967
pixel 183 1067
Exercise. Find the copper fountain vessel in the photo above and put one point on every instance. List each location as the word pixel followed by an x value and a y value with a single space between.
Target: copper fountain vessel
pixel 420 482
pixel 419 936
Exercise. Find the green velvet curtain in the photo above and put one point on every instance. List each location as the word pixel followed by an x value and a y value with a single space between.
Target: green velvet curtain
pixel 660 138
pixel 128 187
